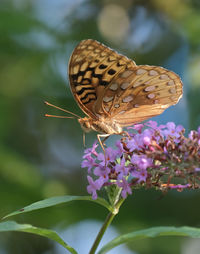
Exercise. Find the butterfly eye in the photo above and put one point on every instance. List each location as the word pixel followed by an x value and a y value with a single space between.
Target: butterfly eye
pixel 85 124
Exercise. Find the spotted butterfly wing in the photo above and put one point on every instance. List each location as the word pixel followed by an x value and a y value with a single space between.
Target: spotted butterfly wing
pixel 140 93
pixel 92 67
pixel 114 92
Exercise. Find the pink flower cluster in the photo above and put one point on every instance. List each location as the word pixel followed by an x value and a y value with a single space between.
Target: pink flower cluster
pixel 151 156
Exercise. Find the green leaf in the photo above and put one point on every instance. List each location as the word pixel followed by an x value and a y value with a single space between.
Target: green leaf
pixel 150 233
pixel 50 234
pixel 56 201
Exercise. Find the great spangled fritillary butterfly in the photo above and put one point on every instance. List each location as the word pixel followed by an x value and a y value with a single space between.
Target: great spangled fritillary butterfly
pixel 114 92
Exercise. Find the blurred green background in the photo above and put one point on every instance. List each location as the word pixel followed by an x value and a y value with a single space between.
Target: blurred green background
pixel 40 157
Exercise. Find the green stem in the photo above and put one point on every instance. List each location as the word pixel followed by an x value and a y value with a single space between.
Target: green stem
pixel 105 225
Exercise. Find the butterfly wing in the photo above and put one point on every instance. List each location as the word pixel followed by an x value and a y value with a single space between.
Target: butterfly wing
pixel 109 85
pixel 140 92
pixel 92 67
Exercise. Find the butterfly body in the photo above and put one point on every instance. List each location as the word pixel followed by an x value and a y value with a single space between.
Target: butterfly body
pixel 114 92
pixel 103 126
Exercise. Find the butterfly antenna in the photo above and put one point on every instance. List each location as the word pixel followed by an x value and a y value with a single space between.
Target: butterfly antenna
pixel 47 115
pixel 64 110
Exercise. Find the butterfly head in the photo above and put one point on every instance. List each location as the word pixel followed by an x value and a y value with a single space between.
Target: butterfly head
pixel 86 124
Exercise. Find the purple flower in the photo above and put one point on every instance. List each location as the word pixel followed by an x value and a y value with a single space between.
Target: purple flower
pixel 192 134
pixel 94 186
pixel 173 130
pixel 135 143
pixel 138 127
pixel 141 161
pixel 147 136
pixel 121 169
pixel 198 130
pixel 140 140
pixel 110 156
pixel 156 157
pixel 103 172
pixel 120 149
pixel 154 125
pixel 179 186
pixel 125 187
pixel 89 162
pixel 132 145
pixel 197 169
pixel 141 175
pixel 90 151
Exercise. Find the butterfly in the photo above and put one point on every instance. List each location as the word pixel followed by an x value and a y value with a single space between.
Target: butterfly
pixel 114 92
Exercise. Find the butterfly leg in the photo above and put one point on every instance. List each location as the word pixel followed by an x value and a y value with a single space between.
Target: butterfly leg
pixel 105 136
pixel 103 141
pixel 84 140
pixel 125 133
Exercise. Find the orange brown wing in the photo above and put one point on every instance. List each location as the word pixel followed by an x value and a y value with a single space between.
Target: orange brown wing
pixel 92 68
pixel 139 93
